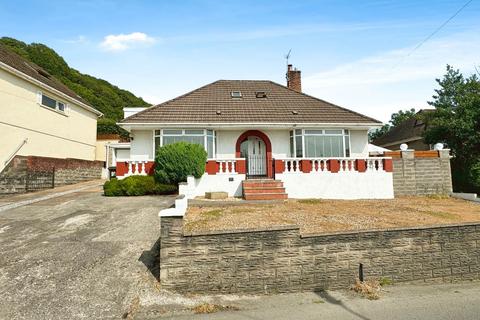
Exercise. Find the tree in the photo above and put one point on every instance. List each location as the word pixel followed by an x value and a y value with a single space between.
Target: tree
pixel 456 122
pixel 395 120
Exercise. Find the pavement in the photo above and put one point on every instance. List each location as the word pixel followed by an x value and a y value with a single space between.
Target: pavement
pixel 79 255
pixel 443 302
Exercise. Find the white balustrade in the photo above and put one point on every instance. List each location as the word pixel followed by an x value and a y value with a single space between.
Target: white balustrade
pixel 292 165
pixel 374 164
pixel 136 168
pixel 227 166
pixel 319 165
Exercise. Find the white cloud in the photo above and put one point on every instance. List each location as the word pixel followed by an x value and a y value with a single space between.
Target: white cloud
pixel 121 42
pixel 382 84
pixel 81 39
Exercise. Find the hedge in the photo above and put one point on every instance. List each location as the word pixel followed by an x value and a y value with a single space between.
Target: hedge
pixel 174 162
pixel 137 186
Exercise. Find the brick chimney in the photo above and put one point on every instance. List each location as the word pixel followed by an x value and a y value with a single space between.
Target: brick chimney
pixel 294 78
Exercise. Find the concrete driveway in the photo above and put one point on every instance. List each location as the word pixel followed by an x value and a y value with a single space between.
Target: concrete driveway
pixel 77 256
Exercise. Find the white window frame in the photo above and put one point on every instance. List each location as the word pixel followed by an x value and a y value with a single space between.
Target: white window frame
pixel 57 103
pixel 204 133
pixel 345 133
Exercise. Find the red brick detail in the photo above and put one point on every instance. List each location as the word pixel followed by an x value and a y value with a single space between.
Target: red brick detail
pixel 426 154
pixel 268 145
pixel 388 165
pixel 35 163
pixel 241 166
pixel 211 167
pixel 279 166
pixel 361 165
pixel 334 165
pixel 306 166
pixel 121 169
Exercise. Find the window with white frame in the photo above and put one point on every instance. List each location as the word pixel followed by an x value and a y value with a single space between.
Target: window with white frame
pixel 203 137
pixel 319 143
pixel 52 103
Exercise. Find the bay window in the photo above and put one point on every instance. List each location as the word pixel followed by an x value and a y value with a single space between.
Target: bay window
pixel 205 138
pixel 319 143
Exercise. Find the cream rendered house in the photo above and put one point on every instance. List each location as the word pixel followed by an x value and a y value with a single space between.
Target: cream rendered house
pixel 39 116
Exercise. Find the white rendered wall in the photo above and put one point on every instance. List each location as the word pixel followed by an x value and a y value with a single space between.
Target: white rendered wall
pixel 212 183
pixel 359 143
pixel 142 144
pixel 227 140
pixel 141 147
pixel 341 185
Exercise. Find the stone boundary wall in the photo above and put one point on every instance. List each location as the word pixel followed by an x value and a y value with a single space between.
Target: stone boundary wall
pixel 421 172
pixel 281 260
pixel 67 171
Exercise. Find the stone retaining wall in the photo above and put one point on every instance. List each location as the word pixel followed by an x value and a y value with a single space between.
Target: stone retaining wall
pixel 67 171
pixel 421 173
pixel 282 260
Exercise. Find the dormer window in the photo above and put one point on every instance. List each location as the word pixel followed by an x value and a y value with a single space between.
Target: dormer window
pixel 236 94
pixel 260 94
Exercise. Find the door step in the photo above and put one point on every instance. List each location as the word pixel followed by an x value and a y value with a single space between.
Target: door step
pixel 264 189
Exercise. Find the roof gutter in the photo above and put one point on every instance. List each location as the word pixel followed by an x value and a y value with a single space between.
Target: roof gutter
pixel 148 125
pixel 36 82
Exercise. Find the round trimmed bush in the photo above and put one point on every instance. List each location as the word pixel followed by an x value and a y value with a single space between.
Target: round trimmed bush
pixel 174 162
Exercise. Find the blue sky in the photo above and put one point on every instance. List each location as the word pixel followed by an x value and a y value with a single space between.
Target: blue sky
pixel 352 53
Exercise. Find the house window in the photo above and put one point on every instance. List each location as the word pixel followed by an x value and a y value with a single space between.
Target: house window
pixel 319 143
pixel 205 138
pixel 49 102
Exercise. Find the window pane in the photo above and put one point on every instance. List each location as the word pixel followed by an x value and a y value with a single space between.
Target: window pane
pixel 345 131
pixel 292 148
pixel 49 102
pixel 195 131
pixel 210 147
pixel 333 131
pixel 168 140
pixel 210 132
pixel 157 143
pixel 310 149
pixel 320 146
pixel 298 142
pixel 298 131
pixel 61 106
pixel 172 131
pixel 313 131
pixel 157 132
pixel 347 146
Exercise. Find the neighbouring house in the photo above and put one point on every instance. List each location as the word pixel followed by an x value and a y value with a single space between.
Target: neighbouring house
pixel 300 146
pixel 409 132
pixel 44 125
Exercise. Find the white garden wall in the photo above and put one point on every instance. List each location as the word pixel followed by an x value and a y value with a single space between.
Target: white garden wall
pixel 231 183
pixel 340 185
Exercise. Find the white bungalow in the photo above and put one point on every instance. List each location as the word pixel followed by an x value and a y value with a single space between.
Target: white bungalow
pixel 264 141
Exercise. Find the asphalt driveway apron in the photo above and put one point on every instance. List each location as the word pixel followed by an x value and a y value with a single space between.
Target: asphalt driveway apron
pixel 78 256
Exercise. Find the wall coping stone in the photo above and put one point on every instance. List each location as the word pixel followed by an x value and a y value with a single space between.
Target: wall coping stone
pixel 321 234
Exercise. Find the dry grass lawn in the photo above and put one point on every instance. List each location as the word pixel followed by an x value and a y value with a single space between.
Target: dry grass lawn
pixel 320 216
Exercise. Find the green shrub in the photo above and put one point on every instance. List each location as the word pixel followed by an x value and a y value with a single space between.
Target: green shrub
pixel 112 188
pixel 137 186
pixel 174 162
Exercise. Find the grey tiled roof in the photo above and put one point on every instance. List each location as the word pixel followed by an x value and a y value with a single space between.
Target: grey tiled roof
pixel 32 70
pixel 213 103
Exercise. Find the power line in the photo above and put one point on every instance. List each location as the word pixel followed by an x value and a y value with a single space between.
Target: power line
pixel 435 31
